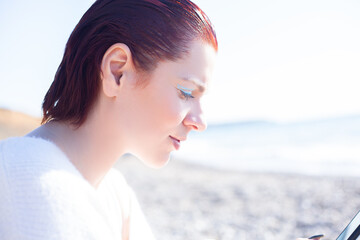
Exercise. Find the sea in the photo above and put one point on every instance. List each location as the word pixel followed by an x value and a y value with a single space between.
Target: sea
pixel 325 147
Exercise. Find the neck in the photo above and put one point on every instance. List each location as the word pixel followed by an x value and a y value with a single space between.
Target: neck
pixel 91 147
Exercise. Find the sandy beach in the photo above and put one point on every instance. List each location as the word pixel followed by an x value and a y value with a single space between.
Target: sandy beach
pixel 185 201
pixel 16 124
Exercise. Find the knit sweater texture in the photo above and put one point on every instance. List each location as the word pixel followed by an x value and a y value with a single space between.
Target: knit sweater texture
pixel 43 196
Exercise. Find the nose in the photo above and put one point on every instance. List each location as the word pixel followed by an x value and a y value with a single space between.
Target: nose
pixel 195 120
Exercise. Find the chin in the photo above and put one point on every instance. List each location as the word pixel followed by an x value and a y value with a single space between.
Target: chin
pixel 157 161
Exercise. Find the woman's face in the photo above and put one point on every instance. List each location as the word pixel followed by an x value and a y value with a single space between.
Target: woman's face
pixel 159 116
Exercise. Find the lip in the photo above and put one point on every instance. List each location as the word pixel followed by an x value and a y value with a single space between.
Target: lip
pixel 176 142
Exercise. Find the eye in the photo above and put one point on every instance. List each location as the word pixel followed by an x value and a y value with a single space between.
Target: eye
pixel 185 93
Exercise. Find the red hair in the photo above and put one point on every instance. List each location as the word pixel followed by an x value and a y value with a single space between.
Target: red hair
pixel 154 30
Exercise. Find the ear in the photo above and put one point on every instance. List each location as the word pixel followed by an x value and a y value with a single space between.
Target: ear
pixel 115 65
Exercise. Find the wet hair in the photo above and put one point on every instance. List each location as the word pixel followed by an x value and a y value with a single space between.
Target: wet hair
pixel 153 30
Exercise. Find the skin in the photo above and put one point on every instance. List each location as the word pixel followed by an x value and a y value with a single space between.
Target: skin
pixel 147 121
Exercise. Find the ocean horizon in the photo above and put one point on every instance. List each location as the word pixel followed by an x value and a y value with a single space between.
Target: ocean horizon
pixel 320 147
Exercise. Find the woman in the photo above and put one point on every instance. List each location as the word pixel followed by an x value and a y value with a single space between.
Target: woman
pixel 130 81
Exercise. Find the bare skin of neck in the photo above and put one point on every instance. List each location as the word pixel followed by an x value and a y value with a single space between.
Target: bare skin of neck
pixel 92 148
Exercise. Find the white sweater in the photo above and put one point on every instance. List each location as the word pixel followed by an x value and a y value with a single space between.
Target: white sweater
pixel 43 196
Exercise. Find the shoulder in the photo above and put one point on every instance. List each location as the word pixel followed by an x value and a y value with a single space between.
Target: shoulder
pixel 35 166
pixel 44 194
pixel 31 152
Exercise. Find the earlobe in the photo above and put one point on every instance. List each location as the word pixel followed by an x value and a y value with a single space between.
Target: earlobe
pixel 116 63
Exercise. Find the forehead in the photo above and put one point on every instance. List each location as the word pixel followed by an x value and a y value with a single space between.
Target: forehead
pixel 194 68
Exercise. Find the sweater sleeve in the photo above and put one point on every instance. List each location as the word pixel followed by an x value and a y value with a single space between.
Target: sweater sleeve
pixel 42 197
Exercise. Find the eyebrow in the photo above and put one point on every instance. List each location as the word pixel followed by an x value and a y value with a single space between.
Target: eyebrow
pixel 200 86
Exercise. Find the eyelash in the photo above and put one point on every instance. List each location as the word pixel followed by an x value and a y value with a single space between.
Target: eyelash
pixel 186 95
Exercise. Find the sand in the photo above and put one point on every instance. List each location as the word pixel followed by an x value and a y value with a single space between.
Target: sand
pixel 186 201
pixel 16 124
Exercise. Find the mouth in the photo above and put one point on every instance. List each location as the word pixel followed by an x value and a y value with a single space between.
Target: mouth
pixel 176 142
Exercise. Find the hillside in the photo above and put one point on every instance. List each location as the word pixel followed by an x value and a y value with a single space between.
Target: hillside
pixel 16 123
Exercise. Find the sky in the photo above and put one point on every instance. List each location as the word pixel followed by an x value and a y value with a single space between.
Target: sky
pixel 280 60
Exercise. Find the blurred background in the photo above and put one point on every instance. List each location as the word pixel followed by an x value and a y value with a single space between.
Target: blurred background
pixel 281 156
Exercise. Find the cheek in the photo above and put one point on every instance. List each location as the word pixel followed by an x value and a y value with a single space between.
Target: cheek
pixel 167 110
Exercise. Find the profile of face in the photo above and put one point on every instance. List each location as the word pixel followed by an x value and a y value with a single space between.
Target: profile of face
pixel 156 118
